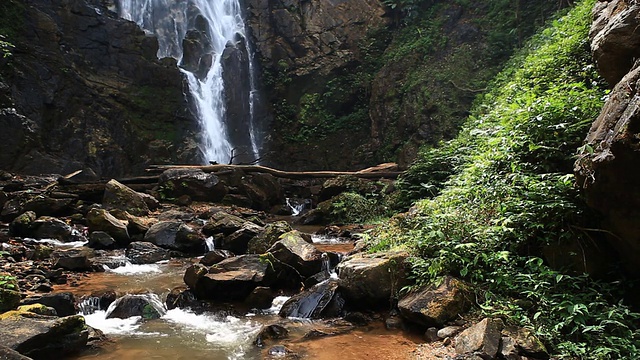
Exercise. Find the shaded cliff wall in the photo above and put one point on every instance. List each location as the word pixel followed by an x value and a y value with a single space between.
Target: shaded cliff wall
pixel 608 165
pixel 84 90
pixel 353 83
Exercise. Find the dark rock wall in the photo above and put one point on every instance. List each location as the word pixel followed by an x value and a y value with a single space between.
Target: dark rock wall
pixel 608 166
pixel 84 90
pixel 352 83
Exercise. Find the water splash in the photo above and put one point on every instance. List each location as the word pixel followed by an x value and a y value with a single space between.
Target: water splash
pixel 197 33
pixel 211 245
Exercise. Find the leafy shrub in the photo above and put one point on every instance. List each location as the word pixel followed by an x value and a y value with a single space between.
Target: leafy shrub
pixel 503 190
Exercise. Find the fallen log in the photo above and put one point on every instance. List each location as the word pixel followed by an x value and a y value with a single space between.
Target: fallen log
pixel 368 173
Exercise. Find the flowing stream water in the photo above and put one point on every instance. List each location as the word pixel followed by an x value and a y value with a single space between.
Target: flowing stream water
pixel 208 39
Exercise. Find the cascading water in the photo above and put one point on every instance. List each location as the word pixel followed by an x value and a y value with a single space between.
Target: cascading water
pixel 208 39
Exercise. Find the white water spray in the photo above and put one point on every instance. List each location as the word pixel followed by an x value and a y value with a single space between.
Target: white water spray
pixel 211 26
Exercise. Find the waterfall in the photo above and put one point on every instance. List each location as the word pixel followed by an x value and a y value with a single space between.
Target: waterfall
pixel 208 39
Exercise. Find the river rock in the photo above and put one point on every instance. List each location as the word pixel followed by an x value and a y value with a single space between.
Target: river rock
pixel 436 306
pixel 524 342
pixel 142 252
pixel 47 227
pixel 346 183
pixel 260 298
pixel 223 223
pixel 215 256
pixel 195 183
pixel 120 197
pixel 238 241
pixel 233 279
pixel 9 292
pixel 21 225
pixel 482 339
pixel 315 302
pixel 175 235
pixel 102 220
pixel 10 354
pixel 38 309
pixel 100 240
pixel 75 259
pixel 63 302
pixel 373 280
pixel 273 331
pixel 267 237
pixel 38 336
pixel 147 306
pixel 294 251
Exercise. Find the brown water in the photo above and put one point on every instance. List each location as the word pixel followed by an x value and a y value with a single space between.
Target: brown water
pixel 181 334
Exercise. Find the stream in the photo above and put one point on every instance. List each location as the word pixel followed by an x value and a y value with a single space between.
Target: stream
pixel 183 334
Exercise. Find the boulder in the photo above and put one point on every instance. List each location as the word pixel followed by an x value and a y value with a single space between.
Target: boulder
pixel 346 183
pixel 481 339
pixel 195 183
pixel 10 354
pixel 100 240
pixel 148 306
pixel 267 237
pixel 9 292
pixel 63 303
pixel 215 256
pixel 102 220
pixel 294 251
pixel 238 241
pixel 373 280
pixel 223 223
pixel 47 227
pixel 75 259
pixel 141 252
pixel 233 279
pixel 319 301
pixel 175 235
pixel 524 342
pixel 273 331
pixel 183 298
pixel 38 336
pixel 260 298
pixel 435 306
pixel 21 225
pixel 120 197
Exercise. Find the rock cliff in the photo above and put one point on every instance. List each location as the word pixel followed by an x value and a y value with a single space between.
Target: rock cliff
pixel 352 83
pixel 607 166
pixel 83 89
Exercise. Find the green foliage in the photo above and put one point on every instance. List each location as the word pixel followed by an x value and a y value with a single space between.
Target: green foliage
pixel 5 47
pixel 8 282
pixel 351 208
pixel 502 190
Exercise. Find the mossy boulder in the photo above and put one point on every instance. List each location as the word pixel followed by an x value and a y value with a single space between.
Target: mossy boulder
pixel 9 292
pixel 39 336
pixel 269 236
pixel 121 197
pixel 102 220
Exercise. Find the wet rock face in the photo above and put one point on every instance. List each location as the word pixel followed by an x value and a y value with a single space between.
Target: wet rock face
pixel 89 93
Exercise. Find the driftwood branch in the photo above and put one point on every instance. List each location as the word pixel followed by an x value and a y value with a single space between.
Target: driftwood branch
pixel 387 171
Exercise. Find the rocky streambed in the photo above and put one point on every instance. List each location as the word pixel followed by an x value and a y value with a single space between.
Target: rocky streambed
pixel 124 275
